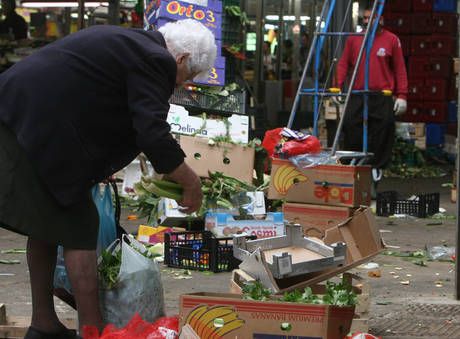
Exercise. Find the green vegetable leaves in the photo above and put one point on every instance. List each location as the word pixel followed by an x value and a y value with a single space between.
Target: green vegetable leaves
pixel 256 291
pixel 108 268
pixel 339 294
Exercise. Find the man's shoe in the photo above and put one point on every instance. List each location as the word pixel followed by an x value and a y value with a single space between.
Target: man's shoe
pixel 33 333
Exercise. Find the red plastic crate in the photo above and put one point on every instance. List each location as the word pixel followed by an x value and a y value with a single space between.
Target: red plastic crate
pixel 445 23
pixel 405 44
pixel 436 111
pixel 422 23
pixel 440 67
pixel 424 66
pixel 416 88
pixel 426 111
pixel 452 91
pixel 399 23
pixel 420 45
pixel 398 5
pixel 443 45
pixel 422 5
pixel 414 113
pixel 419 66
pixel 435 89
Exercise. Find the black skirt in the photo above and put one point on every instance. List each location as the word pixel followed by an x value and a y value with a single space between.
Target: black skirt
pixel 27 207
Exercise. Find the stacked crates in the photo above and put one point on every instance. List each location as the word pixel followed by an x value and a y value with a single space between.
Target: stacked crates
pixel 428 32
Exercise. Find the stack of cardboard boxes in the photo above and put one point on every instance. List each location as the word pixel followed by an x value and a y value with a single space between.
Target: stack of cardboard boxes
pixel 321 196
pixel 428 31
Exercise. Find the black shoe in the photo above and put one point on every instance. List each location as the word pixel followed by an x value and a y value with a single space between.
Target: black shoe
pixel 33 333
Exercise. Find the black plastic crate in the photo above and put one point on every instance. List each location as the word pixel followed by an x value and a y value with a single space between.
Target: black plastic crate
pixel 199 250
pixel 234 102
pixel 421 206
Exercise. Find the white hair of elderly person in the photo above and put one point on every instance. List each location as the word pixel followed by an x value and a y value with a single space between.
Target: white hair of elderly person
pixel 192 38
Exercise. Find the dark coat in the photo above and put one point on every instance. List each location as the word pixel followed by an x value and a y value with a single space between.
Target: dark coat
pixel 85 106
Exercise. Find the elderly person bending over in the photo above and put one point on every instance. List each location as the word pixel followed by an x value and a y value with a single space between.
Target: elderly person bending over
pixel 72 114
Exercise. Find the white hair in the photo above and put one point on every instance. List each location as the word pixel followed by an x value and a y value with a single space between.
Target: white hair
pixel 190 36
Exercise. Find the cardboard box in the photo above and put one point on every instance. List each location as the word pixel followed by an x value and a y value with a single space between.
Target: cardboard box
pixel 330 110
pixel 173 10
pixel 456 65
pixel 420 142
pixel 362 237
pixel 233 160
pixel 336 185
pixel 359 285
pixel 315 219
pixel 182 123
pixel 153 235
pixel 227 315
pixel 224 225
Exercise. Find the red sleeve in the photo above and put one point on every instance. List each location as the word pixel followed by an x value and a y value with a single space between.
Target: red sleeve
pixel 344 63
pixel 399 68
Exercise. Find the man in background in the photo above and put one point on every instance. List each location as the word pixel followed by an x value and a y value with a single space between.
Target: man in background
pixel 387 71
pixel 13 24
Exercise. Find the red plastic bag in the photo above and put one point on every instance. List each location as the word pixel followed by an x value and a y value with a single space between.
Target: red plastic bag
pixel 163 328
pixel 272 138
pixel 311 145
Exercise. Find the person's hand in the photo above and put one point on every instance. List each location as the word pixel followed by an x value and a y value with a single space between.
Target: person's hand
pixel 192 195
pixel 400 106
pixel 337 100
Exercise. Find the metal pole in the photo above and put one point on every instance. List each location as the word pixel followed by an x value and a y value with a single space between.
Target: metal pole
pixel 279 41
pixel 258 74
pixel 81 14
pixel 307 65
pixel 457 265
pixel 114 12
pixel 352 81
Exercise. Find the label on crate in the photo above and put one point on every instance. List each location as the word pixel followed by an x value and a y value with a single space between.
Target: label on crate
pixel 182 123
pixel 173 10
pixel 224 225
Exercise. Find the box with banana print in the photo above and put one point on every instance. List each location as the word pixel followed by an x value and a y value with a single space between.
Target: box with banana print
pixel 336 185
pixel 221 315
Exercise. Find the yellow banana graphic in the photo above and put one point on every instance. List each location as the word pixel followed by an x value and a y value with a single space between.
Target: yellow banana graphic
pixel 291 181
pixel 279 175
pixel 231 326
pixel 285 177
pixel 202 320
pixel 207 319
pixel 194 315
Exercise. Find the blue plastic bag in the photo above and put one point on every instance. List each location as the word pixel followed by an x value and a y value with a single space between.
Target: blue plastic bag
pixel 107 233
pixel 107 228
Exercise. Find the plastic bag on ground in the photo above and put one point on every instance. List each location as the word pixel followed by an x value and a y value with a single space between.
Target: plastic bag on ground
pixel 137 328
pixel 139 288
pixel 107 234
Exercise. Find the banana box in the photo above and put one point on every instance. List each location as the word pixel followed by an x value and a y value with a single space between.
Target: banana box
pixel 336 185
pixel 315 219
pixel 221 315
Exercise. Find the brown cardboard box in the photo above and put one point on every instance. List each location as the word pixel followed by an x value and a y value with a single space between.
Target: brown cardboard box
pixel 359 233
pixel 336 185
pixel 420 142
pixel 220 315
pixel 456 65
pixel 315 219
pixel 360 287
pixel 233 160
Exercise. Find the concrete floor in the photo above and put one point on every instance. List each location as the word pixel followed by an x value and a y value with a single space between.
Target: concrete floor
pixel 433 284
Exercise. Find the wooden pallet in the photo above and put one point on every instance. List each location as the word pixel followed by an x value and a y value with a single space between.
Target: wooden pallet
pixel 16 327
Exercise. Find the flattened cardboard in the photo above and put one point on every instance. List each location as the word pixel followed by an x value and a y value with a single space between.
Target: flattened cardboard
pixel 336 185
pixel 262 319
pixel 233 160
pixel 359 233
pixel 315 219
